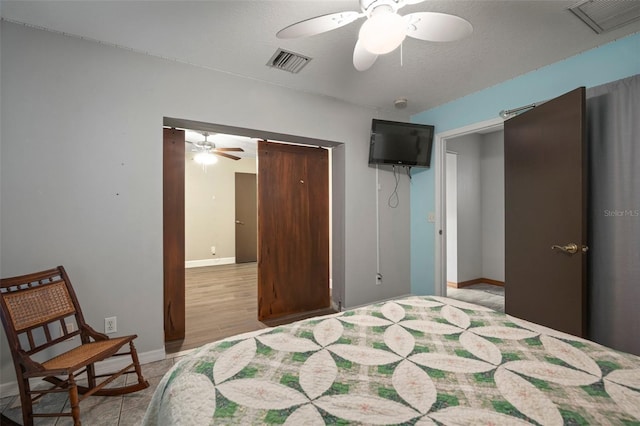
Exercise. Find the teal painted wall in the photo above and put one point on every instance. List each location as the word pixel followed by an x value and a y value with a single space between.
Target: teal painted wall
pixel 601 65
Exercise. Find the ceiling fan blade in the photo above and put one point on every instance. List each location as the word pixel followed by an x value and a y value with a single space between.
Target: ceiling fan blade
pixel 362 58
pixel 229 149
pixel 432 26
pixel 319 24
pixel 409 2
pixel 222 154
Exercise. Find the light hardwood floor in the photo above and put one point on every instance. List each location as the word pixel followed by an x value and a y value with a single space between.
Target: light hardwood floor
pixel 220 301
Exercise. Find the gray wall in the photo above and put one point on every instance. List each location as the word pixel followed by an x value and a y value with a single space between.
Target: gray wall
pixel 469 206
pixel 452 216
pixel 81 171
pixel 492 188
pixel 480 195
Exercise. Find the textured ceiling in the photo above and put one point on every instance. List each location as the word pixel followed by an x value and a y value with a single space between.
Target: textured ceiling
pixel 510 38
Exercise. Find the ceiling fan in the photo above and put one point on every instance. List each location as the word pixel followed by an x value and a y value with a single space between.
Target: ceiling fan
pixel 207 151
pixel 384 30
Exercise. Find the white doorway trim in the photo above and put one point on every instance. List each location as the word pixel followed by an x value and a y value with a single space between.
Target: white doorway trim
pixel 440 141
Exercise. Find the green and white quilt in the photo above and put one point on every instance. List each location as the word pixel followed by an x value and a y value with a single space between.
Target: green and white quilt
pixel 414 361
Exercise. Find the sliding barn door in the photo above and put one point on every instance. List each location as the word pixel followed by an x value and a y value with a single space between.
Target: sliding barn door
pixel 173 233
pixel 293 229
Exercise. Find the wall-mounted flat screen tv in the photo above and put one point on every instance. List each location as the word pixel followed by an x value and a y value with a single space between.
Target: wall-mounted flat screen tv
pixel 405 144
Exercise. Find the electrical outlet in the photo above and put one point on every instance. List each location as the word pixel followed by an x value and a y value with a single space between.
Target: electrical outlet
pixel 110 325
pixel 378 278
pixel 213 250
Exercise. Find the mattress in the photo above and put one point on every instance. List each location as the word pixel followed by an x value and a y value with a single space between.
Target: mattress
pixel 417 360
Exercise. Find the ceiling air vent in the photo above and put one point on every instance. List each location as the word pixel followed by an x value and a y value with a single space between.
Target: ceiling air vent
pixel 288 61
pixel 606 15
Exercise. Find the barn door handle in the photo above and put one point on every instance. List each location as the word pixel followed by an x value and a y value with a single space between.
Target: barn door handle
pixel 570 248
pixel 239 222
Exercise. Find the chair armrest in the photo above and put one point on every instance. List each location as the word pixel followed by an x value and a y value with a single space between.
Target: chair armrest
pixel 29 365
pixel 87 330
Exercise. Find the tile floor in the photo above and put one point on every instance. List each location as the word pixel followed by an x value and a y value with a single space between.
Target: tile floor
pixel 126 410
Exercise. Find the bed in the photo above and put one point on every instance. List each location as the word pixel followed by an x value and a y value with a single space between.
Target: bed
pixel 417 361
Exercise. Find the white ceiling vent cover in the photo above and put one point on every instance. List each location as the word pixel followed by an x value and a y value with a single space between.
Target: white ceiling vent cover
pixel 288 61
pixel 606 15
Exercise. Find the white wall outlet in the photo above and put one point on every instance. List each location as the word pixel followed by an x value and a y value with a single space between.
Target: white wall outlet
pixel 110 325
pixel 378 278
pixel 213 250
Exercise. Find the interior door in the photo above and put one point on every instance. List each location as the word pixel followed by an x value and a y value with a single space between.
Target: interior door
pixel 545 214
pixel 293 224
pixel 173 233
pixel 246 218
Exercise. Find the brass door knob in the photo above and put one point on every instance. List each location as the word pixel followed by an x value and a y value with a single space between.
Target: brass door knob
pixel 570 248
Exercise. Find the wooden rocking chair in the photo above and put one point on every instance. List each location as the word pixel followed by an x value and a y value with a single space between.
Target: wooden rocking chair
pixel 35 311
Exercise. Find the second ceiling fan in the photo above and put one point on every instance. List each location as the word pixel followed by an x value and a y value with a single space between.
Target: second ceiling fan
pixel 208 148
pixel 384 30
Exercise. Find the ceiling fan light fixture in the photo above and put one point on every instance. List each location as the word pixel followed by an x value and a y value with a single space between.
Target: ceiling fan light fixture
pixel 383 32
pixel 205 158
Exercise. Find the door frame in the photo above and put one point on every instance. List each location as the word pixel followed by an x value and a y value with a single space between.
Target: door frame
pixel 337 187
pixel 440 142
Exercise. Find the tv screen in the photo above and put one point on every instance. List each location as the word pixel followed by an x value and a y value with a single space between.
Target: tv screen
pixel 405 144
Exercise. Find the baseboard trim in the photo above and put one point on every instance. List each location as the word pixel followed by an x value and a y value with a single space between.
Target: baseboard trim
pixel 209 262
pixel 463 284
pixel 493 282
pixel 110 365
pixel 9 389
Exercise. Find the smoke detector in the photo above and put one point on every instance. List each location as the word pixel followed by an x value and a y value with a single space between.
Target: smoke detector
pixel 400 103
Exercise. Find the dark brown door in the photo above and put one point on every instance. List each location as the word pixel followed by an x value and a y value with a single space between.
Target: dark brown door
pixel 545 206
pixel 173 233
pixel 246 218
pixel 293 225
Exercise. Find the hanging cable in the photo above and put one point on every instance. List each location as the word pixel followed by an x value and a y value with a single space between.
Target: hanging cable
pixel 378 274
pixel 394 199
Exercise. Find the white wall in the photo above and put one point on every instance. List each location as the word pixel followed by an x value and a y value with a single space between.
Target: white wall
pixel 469 206
pixel 395 258
pixel 81 171
pixel 210 207
pixel 492 195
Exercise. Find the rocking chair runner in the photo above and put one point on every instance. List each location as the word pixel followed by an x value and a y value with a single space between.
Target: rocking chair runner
pixel 35 309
